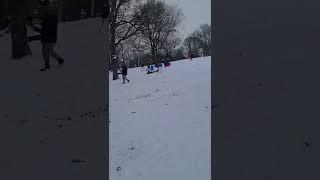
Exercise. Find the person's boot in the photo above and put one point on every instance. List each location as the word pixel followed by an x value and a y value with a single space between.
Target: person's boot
pixel 123 82
pixel 60 61
pixel 46 67
pixel 128 80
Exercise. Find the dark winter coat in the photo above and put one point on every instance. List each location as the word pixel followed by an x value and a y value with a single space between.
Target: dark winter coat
pixel 124 70
pixel 49 26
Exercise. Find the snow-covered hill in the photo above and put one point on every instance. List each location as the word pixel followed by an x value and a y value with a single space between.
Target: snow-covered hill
pixel 160 123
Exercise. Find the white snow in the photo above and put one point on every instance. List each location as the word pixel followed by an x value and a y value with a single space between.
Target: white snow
pixel 166 118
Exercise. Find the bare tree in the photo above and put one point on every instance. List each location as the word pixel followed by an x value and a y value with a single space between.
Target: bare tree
pixel 122 26
pixel 124 51
pixel 138 46
pixel 158 21
pixel 192 44
pixel 188 45
pixel 204 36
pixel 200 39
pixel 169 44
pixel 179 53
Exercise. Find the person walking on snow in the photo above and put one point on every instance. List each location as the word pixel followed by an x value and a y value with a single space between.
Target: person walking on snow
pixel 124 72
pixel 48 31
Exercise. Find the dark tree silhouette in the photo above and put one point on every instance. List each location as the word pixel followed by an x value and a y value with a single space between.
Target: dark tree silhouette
pixel 159 21
pixel 18 11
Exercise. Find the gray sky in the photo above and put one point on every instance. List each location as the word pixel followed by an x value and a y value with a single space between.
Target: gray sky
pixel 196 12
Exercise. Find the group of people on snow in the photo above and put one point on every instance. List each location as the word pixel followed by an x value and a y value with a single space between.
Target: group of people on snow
pixel 151 68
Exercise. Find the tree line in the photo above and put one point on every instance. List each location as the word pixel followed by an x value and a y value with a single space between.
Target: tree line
pixel 146 32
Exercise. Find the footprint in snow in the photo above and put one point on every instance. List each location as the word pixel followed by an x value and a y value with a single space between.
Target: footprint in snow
pixel 118 169
pixel 175 94
pixel 78 160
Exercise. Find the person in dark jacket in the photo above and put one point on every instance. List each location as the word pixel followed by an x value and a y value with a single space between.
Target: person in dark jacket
pixel 124 72
pixel 48 31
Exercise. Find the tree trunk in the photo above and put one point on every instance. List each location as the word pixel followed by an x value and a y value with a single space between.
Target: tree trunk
pixel 108 47
pixel 153 54
pixel 113 52
pixel 20 46
pixel 93 8
pixel 158 58
pixel 115 75
pixel 113 18
pixel 115 62
pixel 190 49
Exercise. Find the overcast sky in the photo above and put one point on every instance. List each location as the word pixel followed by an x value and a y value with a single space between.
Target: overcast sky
pixel 196 12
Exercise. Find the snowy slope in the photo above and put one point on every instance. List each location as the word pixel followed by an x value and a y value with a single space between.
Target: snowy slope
pixel 39 140
pixel 160 123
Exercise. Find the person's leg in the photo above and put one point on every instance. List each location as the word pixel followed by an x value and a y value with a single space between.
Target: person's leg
pixel 127 79
pixel 46 54
pixel 55 55
pixel 123 79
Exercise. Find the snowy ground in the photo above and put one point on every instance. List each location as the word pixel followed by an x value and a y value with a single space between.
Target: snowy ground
pixel 44 116
pixel 160 123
